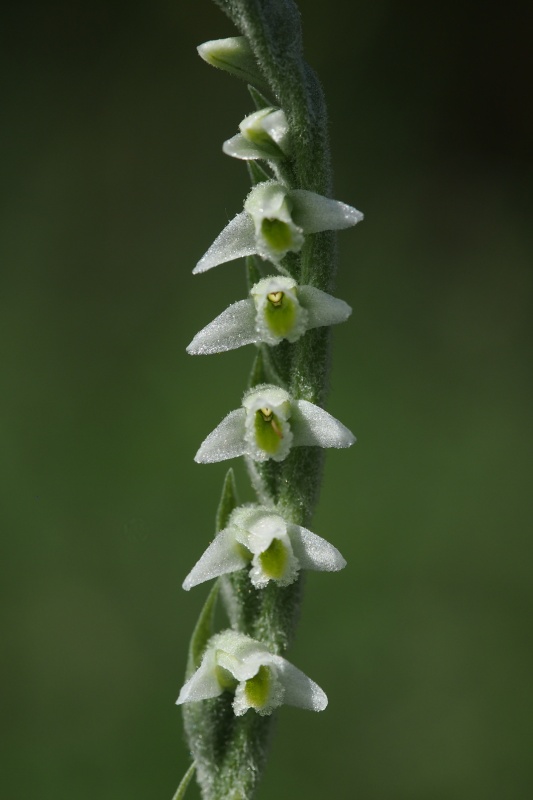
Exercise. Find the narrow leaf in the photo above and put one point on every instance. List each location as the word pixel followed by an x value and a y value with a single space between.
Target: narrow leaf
pixel 202 632
pixel 258 374
pixel 252 271
pixel 257 173
pixel 259 99
pixel 228 501
pixel 182 788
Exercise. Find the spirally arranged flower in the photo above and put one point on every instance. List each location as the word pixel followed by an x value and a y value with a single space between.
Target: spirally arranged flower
pixel 259 679
pixel 260 549
pixel 274 222
pixel 263 135
pixel 269 423
pixel 273 548
pixel 278 308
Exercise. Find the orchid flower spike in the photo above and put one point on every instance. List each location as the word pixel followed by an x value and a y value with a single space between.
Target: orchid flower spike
pixel 273 548
pixel 260 680
pixel 269 423
pixel 274 222
pixel 263 134
pixel 277 309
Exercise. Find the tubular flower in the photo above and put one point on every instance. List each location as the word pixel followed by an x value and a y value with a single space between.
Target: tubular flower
pixel 260 680
pixel 273 548
pixel 277 309
pixel 269 423
pixel 263 134
pixel 274 222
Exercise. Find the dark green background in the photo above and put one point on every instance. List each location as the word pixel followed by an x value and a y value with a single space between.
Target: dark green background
pixel 113 186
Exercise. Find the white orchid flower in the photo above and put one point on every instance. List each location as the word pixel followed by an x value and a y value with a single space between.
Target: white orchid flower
pixel 274 222
pixel 273 548
pixel 269 423
pixel 277 309
pixel 263 134
pixel 261 680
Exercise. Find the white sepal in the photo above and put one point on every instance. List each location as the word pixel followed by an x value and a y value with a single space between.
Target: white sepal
pixel 300 690
pixel 314 426
pixel 236 240
pixel 226 441
pixel 235 327
pixel 315 213
pixel 264 680
pixel 314 552
pixel 204 683
pixel 322 308
pixel 240 147
pixel 222 556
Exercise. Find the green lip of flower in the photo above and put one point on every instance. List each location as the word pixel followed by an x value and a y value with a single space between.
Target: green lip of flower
pixel 301 212
pixel 277 309
pixel 263 680
pixel 300 423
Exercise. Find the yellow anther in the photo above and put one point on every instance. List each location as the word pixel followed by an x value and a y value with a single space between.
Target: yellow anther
pixel 275 298
pixel 267 414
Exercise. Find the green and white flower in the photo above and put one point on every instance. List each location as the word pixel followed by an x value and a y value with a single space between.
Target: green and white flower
pixel 274 222
pixel 273 548
pixel 269 423
pixel 263 134
pixel 260 680
pixel 233 55
pixel 277 309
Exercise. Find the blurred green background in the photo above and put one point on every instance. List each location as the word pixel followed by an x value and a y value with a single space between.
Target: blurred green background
pixel 113 186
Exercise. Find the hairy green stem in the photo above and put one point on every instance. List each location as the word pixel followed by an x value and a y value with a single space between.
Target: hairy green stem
pixel 230 751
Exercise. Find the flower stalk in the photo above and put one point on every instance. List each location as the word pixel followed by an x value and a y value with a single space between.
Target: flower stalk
pixel 238 676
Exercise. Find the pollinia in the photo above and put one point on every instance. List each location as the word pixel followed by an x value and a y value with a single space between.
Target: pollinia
pixel 238 676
